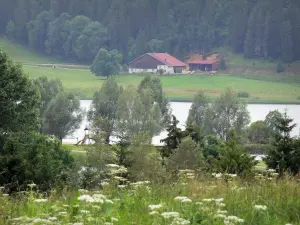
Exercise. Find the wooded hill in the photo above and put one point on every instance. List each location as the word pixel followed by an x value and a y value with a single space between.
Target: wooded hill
pixel 257 28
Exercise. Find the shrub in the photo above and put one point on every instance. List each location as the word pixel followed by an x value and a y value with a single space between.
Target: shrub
pixel 32 157
pixel 243 94
pixel 187 156
pixel 234 159
pixel 280 67
pixel 257 149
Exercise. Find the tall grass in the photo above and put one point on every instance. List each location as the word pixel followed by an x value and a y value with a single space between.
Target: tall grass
pixel 213 201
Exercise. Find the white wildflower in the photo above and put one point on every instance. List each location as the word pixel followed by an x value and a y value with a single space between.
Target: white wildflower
pixel 208 200
pixel 96 207
pixel 220 216
pixel 104 184
pixel 39 220
pixel 219 200
pixel 168 215
pixel 180 221
pixel 108 201
pixel 108 223
pixel 154 207
pixel 153 213
pixel 121 186
pixel 217 175
pixel 31 185
pixel 40 200
pixel 84 211
pixel 115 166
pixel 199 203
pixel 53 218
pixel 86 198
pixel 77 223
pixel 260 207
pixel 82 191
pixel 182 199
pixel 221 204
pixel 221 211
pixel 233 219
pixel 113 219
pixel 62 213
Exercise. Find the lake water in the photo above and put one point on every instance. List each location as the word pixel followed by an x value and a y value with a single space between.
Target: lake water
pixel 181 111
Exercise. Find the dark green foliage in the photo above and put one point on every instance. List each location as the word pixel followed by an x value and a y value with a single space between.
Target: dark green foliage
pixel 284 156
pixel 280 67
pixel 173 140
pixel 243 94
pixel 154 85
pixel 106 63
pixel 63 115
pixel 38 29
pixel 19 98
pixel 92 39
pixel 33 158
pixel 10 30
pixel 188 155
pixel 258 133
pixel 49 89
pixel 234 159
pixel 104 107
pixel 256 28
pixel 198 110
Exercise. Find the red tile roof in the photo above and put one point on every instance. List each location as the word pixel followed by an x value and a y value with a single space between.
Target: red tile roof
pixel 197 61
pixel 168 59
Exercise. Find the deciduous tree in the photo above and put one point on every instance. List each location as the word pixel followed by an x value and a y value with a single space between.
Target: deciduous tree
pixel 63 115
pixel 19 98
pixel 106 63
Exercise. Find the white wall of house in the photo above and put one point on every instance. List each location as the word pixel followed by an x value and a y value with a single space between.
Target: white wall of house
pixel 138 70
pixel 167 69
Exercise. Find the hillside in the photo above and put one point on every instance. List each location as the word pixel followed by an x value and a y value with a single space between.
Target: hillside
pixel 25 55
pixel 78 29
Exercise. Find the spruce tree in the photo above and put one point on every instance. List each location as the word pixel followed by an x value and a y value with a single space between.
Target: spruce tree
pixel 281 155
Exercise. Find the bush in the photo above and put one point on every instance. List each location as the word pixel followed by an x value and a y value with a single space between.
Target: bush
pixel 243 94
pixel 280 67
pixel 187 156
pixel 33 158
pixel 234 159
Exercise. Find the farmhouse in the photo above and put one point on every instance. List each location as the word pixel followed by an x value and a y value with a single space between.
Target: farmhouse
pixel 204 65
pixel 161 63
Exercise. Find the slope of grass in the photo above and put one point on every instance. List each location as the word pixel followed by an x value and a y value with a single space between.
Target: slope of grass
pixel 23 54
pixel 217 202
pixel 262 89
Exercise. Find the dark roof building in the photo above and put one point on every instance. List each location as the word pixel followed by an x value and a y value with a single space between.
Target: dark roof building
pixel 204 65
pixel 152 62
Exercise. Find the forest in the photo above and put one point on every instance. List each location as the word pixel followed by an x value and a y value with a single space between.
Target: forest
pixel 77 29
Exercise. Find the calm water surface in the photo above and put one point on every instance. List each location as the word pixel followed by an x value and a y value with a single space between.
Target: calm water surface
pixel 181 111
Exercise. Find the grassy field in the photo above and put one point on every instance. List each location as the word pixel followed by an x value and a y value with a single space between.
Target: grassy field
pixel 204 201
pixel 23 54
pixel 262 88
pixel 77 78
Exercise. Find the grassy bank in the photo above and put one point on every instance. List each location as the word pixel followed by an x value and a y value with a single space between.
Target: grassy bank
pixel 205 201
pixel 262 88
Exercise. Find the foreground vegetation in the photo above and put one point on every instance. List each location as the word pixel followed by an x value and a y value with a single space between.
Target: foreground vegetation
pixel 261 88
pixel 201 175
pixel 266 201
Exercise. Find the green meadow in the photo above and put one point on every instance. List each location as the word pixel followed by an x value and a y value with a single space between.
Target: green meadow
pixel 78 79
pixel 261 88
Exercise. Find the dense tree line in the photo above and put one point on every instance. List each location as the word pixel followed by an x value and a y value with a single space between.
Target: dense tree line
pixel 78 29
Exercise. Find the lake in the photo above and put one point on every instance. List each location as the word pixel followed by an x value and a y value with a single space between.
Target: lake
pixel 181 111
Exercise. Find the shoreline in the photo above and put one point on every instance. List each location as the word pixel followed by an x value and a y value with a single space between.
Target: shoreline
pixel 247 102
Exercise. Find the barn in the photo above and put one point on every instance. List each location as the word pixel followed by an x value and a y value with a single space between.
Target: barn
pixel 204 65
pixel 158 63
